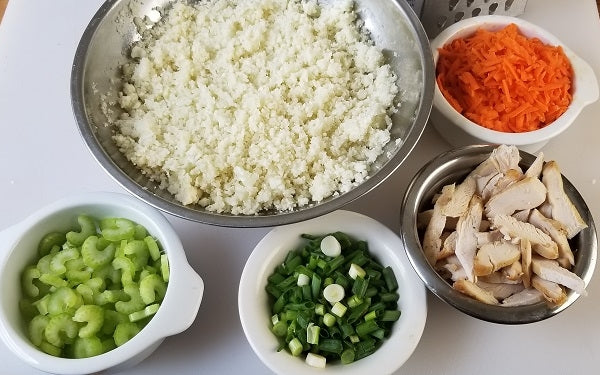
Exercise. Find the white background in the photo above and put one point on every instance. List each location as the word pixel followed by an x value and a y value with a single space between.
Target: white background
pixel 43 158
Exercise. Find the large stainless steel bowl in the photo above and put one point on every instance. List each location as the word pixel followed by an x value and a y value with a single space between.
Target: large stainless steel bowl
pixel 104 48
pixel 453 166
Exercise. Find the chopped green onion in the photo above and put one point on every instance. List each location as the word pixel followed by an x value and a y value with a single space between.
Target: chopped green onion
pixel 338 309
pixel 347 356
pixel 390 279
pixel 310 312
pixel 356 271
pixel 390 315
pixel 312 334
pixel 295 347
pixel 329 320
pixel 315 360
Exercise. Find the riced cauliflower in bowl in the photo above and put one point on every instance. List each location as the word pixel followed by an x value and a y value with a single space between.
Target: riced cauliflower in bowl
pixel 252 113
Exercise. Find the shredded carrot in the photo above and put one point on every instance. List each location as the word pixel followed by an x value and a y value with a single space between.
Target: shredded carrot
pixel 505 81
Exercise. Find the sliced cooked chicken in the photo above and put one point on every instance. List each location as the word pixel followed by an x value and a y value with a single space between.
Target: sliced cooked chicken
pixel 490 185
pixel 509 178
pixel 550 270
pixel 524 194
pixel 540 241
pixel 472 290
pixel 545 209
pixel 466 241
pixel 558 233
pixel 552 292
pixel 498 278
pixel 432 241
pixel 535 169
pixel 500 291
pixel 461 197
pixel 525 246
pixel 494 256
pixel 487 237
pixel 527 296
pixel 506 157
pixel 483 173
pixel 514 271
pixel 522 215
pixel 562 208
pixel 449 246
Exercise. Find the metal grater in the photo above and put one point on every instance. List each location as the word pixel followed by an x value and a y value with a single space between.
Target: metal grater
pixel 436 15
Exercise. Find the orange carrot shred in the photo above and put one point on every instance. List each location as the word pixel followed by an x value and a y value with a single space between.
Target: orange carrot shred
pixel 505 81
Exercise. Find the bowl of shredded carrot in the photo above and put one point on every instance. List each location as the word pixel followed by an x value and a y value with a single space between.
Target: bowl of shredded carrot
pixel 504 80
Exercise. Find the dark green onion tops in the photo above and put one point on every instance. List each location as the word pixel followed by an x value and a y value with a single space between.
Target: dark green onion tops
pixel 347 322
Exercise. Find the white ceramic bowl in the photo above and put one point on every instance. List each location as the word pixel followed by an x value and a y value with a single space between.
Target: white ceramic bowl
pixel 460 131
pixel 19 247
pixel 255 313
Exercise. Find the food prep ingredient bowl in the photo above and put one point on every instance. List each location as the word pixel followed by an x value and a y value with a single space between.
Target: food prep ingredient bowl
pixel 453 166
pixel 105 47
pixel 457 130
pixel 19 247
pixel 384 246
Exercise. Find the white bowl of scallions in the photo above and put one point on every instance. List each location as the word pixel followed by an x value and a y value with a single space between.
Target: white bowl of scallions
pixel 334 294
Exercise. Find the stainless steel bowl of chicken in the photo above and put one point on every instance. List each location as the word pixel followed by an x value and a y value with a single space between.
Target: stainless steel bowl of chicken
pixel 499 234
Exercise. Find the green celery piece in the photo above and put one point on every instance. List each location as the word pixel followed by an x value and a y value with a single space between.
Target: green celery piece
pixel 64 299
pixel 57 263
pixel 127 269
pixel 137 251
pixel 135 302
pixel 153 247
pixel 117 229
pixel 111 319
pixel 92 315
pixel 36 328
pixel 110 296
pixel 164 267
pixel 152 288
pixel 85 347
pixel 61 329
pixel 139 232
pixel 50 349
pixel 87 228
pixel 53 280
pixel 146 312
pixel 29 274
pixel 94 255
pixel 124 332
pixel 49 241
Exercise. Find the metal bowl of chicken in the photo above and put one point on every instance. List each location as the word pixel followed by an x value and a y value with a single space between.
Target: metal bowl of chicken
pixel 499 234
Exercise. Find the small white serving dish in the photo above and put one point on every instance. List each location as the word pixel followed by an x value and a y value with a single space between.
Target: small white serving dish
pixel 385 245
pixel 460 131
pixel 19 247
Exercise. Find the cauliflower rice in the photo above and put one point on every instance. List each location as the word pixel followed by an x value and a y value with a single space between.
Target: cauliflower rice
pixel 244 106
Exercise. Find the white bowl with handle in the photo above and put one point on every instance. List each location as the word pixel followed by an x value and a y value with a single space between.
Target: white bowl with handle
pixel 459 131
pixel 19 248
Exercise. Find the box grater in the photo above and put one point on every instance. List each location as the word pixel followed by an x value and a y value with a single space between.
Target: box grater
pixel 436 15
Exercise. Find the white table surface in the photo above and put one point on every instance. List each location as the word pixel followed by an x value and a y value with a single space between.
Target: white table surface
pixel 43 158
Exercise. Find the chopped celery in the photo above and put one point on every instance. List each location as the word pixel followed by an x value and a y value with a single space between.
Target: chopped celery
pixel 92 290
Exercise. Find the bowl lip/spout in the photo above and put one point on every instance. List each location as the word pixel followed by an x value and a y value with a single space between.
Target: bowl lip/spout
pixel 260 220
pixel 418 189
